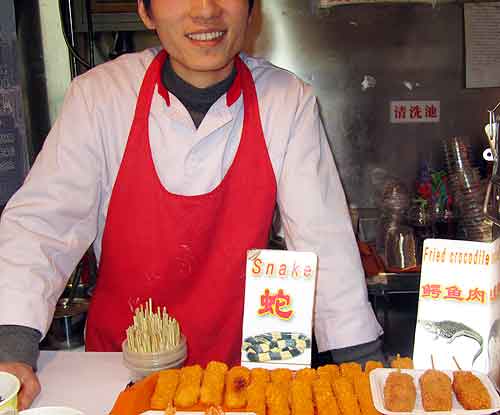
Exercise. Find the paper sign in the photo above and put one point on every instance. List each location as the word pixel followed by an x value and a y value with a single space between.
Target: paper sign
pixel 279 301
pixel 458 309
pixel 415 111
pixel 482 56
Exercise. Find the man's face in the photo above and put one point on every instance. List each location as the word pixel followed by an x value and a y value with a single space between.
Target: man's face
pixel 202 37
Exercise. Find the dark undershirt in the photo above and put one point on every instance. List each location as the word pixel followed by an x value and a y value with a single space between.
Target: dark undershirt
pixel 196 100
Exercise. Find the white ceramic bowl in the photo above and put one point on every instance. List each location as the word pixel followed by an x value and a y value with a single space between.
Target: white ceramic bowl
pixel 51 410
pixel 9 387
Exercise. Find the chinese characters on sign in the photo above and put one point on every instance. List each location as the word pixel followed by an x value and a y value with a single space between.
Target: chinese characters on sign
pixel 415 112
pixel 276 305
pixel 454 292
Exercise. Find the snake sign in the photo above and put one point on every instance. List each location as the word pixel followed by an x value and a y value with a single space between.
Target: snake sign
pixel 279 300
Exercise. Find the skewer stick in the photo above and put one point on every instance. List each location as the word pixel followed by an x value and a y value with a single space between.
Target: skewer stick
pixel 152 331
pixel 432 361
pixel 455 360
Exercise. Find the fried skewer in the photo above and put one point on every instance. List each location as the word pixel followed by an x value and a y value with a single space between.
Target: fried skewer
pixel 364 394
pixel 301 397
pixel 212 386
pixel 400 392
pixel 325 402
pixel 435 387
pixel 237 381
pixel 166 386
pixel 277 398
pixel 346 398
pixel 469 390
pixel 188 391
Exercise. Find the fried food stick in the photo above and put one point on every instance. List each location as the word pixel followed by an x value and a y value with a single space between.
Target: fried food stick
pixel 165 388
pixel 256 392
pixel 402 362
pixel 400 392
pixel 301 397
pixel 350 370
pixel 371 365
pixel 435 387
pixel 212 386
pixel 325 402
pixel 346 398
pixel 277 398
pixel 237 381
pixel 307 375
pixel 329 372
pixel 364 394
pixel 188 391
pixel 281 376
pixel 259 375
pixel 470 391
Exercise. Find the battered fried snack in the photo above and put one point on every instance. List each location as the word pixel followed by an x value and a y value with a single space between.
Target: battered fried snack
pixel 212 386
pixel 470 391
pixel 277 398
pixel 435 387
pixel 402 362
pixel 350 370
pixel 301 397
pixel 256 397
pixel 188 391
pixel 346 398
pixel 371 365
pixel 307 375
pixel 237 381
pixel 400 392
pixel 281 376
pixel 325 402
pixel 165 389
pixel 329 372
pixel 259 375
pixel 364 394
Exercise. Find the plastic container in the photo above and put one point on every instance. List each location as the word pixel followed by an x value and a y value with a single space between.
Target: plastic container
pixel 9 387
pixel 377 381
pixel 144 364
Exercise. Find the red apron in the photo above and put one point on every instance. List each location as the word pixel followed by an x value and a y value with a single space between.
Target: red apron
pixel 185 252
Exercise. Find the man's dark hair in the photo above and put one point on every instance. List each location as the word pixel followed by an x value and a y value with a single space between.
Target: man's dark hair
pixel 147 4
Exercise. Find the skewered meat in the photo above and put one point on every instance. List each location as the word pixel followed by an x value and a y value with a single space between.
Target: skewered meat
pixel 435 387
pixel 470 391
pixel 400 392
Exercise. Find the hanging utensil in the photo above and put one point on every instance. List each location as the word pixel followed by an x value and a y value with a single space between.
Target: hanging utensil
pixel 491 206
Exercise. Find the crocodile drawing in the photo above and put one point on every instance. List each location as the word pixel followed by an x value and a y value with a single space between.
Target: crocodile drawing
pixel 450 330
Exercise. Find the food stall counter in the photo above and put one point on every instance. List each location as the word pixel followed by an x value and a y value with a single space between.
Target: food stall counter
pixel 89 382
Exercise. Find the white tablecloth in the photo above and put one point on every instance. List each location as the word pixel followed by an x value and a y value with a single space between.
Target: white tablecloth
pixel 89 382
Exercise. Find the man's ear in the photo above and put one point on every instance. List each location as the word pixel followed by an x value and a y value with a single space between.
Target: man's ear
pixel 144 15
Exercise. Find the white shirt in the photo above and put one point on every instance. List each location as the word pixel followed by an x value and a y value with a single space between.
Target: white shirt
pixel 61 208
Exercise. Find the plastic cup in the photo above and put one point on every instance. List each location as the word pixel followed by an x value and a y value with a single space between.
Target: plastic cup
pixel 9 387
pixel 144 364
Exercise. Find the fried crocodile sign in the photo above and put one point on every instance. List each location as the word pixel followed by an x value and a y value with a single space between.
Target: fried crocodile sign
pixel 459 306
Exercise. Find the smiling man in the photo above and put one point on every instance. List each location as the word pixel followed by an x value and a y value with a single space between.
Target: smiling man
pixel 171 162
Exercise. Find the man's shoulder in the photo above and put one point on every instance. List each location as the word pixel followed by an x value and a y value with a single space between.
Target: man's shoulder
pixel 123 74
pixel 265 71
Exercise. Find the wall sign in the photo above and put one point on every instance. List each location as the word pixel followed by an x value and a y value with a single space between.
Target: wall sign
pixel 414 112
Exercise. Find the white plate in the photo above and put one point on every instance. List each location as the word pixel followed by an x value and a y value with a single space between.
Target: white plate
pixel 51 410
pixel 377 382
